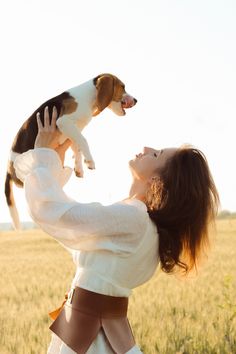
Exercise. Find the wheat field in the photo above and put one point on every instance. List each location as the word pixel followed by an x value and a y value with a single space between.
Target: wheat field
pixel 168 315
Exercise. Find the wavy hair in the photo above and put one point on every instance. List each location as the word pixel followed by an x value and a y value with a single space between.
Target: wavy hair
pixel 187 202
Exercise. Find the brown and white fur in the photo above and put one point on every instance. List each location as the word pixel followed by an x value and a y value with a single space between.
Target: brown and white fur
pixel 75 108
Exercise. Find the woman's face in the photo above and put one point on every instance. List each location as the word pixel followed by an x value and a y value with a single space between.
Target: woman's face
pixel 146 164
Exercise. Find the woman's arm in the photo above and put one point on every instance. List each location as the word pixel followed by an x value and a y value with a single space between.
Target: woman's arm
pixel 76 225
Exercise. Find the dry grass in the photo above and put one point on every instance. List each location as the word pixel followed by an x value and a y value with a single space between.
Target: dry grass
pixel 197 316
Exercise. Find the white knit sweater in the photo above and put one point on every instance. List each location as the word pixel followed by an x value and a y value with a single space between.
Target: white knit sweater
pixel 115 247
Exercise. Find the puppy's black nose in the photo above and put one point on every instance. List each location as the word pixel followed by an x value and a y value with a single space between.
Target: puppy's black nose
pixel 135 101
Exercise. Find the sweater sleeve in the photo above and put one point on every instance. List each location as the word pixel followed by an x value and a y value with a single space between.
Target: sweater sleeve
pixel 78 226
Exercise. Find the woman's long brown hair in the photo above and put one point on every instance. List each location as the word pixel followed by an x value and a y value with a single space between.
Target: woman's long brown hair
pixel 188 202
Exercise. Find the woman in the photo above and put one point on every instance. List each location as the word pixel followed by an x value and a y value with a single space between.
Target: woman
pixel 117 247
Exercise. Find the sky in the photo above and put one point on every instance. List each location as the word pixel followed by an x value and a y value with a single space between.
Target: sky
pixel 177 57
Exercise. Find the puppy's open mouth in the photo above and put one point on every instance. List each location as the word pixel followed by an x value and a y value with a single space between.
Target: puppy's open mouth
pixel 125 105
pixel 127 102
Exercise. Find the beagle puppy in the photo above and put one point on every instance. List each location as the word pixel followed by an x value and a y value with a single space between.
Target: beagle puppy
pixel 75 108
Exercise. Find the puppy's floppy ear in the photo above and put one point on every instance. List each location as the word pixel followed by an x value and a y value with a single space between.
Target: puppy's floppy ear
pixel 105 90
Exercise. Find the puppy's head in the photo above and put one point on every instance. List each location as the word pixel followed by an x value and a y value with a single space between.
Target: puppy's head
pixel 111 93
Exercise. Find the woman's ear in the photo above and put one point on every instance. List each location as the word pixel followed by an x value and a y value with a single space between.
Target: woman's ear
pixel 105 90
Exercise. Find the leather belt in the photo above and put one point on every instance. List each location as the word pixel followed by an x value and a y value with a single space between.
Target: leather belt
pixel 85 313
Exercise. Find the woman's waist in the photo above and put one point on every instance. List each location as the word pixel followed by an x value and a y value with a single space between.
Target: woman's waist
pixel 85 313
pixel 96 304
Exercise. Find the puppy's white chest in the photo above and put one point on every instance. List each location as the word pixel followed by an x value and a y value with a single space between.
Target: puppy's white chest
pixel 83 119
pixel 85 96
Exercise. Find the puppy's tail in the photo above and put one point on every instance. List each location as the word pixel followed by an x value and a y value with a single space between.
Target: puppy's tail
pixel 10 199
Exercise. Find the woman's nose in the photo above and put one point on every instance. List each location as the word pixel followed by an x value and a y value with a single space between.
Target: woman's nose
pixel 146 149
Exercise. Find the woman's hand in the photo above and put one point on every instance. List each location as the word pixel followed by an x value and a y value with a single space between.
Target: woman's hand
pixel 48 134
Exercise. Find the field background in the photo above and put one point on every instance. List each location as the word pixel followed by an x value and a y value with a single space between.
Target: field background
pixel 168 315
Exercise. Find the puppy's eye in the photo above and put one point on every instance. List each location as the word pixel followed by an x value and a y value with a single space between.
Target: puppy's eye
pixel 155 154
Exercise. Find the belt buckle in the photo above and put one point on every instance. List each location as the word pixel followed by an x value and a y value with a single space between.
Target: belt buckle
pixel 70 296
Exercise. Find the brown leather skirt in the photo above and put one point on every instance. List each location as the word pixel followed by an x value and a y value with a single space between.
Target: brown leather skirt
pixel 85 313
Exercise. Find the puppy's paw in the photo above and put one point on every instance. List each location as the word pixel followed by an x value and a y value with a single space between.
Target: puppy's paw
pixel 90 164
pixel 79 173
